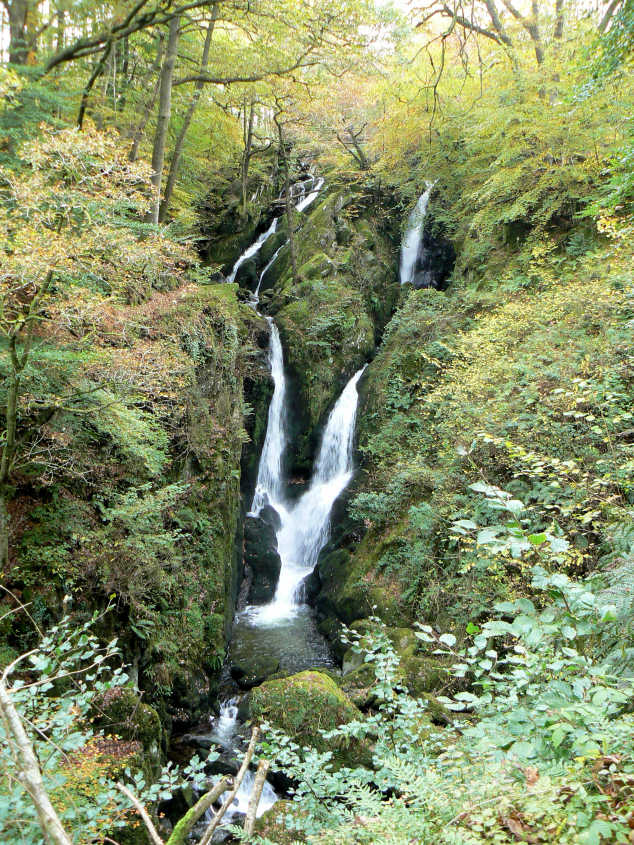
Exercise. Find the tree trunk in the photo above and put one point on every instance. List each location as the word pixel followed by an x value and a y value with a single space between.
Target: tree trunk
pixel 288 202
pixel 137 135
pixel 29 770
pixel 559 20
pixel 162 124
pixel 98 70
pixel 18 16
pixel 247 135
pixel 180 141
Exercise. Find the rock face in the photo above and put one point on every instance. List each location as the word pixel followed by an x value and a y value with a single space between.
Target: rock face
pixel 331 317
pixel 262 558
pixel 302 705
pixel 436 259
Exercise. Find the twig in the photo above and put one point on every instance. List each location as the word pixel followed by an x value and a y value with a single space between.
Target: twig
pixel 149 824
pixel 256 794
pixel 206 837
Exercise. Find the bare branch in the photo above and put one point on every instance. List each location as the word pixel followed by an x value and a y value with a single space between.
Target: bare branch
pixel 147 821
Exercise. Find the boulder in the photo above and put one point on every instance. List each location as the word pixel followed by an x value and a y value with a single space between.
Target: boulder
pixel 422 673
pixel 262 558
pixel 250 670
pixel 302 706
pixel 247 275
pixel 309 587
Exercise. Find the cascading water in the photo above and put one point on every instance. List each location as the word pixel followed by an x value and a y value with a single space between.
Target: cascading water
pixel 256 246
pixel 255 298
pixel 268 488
pixel 286 628
pixel 304 526
pixel 310 198
pixel 413 235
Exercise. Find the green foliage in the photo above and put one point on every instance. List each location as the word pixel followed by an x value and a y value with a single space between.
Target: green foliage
pixel 543 750
pixel 57 688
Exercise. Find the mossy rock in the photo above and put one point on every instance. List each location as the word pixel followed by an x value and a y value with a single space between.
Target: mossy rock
pixel 272 824
pixel 351 583
pixel 302 705
pixel 123 712
pixel 423 674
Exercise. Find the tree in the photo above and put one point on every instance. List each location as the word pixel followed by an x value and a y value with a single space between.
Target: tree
pixel 486 19
pixel 278 119
pixel 19 12
pixel 165 107
pixel 187 119
pixel 139 129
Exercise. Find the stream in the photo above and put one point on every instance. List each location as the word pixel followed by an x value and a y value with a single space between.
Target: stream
pixel 284 631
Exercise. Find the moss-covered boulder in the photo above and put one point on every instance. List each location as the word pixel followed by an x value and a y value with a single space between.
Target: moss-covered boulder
pixel 421 671
pixel 305 704
pixel 274 824
pixel 121 712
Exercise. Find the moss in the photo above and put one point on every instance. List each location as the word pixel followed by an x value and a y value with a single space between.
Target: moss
pixel 302 705
pixel 273 825
pixel 122 712
pixel 330 320
pixel 150 511
pixel 421 672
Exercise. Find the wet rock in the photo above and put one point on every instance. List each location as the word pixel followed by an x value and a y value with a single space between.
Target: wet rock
pixel 271 517
pixel 309 588
pixel 227 763
pixel 201 741
pixel 248 275
pixel 436 259
pixel 252 670
pixel 262 558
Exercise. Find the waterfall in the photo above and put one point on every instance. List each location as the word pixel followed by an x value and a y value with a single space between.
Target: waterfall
pixel 268 488
pixel 413 235
pixel 256 246
pixel 310 198
pixel 255 299
pixel 305 524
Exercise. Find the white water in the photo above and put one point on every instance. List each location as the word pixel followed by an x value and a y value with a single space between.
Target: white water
pixel 310 198
pixel 240 803
pixel 305 524
pixel 224 731
pixel 255 247
pixel 413 235
pixel 268 487
pixel 255 299
pixel 224 726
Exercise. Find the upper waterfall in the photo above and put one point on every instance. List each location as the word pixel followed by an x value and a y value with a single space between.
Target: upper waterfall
pixel 413 234
pixel 256 246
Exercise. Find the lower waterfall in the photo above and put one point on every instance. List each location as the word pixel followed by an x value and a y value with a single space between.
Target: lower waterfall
pixel 304 525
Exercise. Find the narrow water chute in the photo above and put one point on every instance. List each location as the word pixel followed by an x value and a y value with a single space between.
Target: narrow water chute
pixel 412 238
